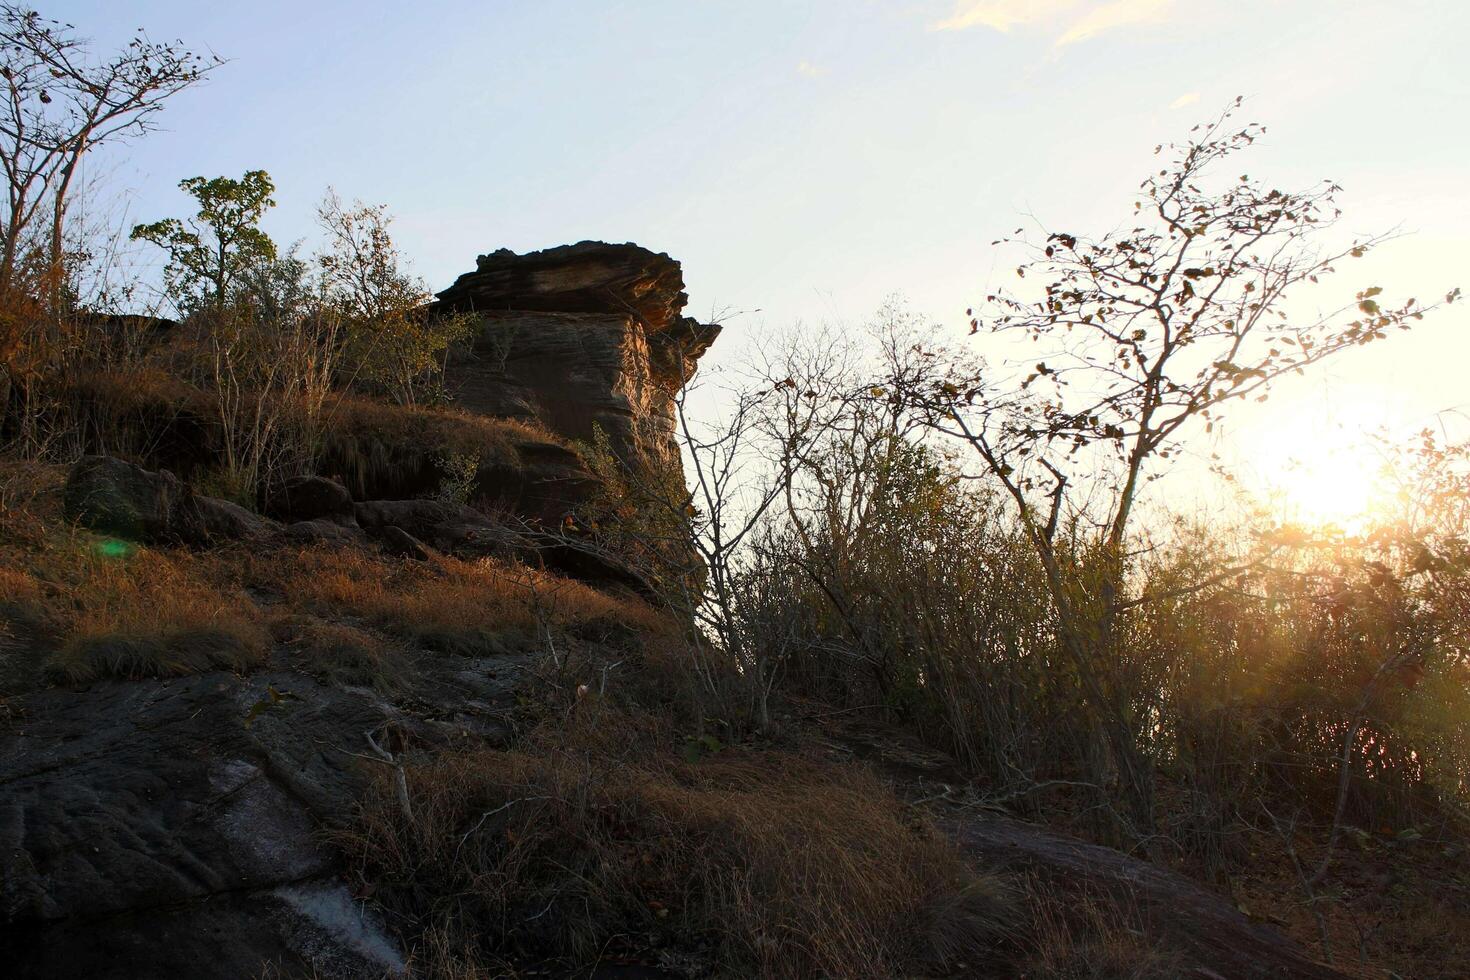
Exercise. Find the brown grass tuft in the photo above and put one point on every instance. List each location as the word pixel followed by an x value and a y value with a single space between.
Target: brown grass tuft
pixel 1073 936
pixel 763 864
pixel 145 613
pixel 449 605
pixel 340 653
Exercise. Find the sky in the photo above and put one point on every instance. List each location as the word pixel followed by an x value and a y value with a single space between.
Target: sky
pixel 806 159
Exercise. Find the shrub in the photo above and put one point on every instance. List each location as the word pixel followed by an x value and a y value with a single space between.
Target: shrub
pixel 759 863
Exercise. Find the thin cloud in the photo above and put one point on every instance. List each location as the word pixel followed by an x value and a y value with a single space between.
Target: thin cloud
pixel 1001 15
pixel 1119 13
pixel 809 70
pixel 1068 21
pixel 1188 98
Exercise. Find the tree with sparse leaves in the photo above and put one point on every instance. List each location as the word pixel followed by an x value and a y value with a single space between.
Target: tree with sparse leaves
pixel 1143 336
pixel 393 341
pixel 60 101
pixel 209 252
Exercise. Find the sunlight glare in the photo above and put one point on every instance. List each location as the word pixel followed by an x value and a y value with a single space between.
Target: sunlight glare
pixel 1323 471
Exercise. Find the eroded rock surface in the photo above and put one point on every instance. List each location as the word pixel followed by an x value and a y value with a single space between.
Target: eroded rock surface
pixel 580 338
pixel 174 828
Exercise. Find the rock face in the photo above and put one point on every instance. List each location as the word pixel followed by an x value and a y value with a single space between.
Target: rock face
pixel 173 828
pixel 580 338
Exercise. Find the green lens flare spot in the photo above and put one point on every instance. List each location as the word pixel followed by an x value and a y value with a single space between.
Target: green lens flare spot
pixel 113 548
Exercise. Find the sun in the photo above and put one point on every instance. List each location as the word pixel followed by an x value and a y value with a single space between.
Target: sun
pixel 1323 471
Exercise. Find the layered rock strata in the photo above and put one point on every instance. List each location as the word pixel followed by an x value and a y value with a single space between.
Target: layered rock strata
pixel 580 338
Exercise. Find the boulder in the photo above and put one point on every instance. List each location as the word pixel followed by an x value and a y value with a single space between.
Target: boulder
pixel 1208 933
pixel 396 541
pixel 323 531
pixel 453 528
pixel 116 497
pixel 311 498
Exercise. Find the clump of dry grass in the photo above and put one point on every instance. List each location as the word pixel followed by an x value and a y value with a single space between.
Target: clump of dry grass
pixel 340 653
pixel 1074 936
pixel 19 589
pixel 761 863
pixel 144 613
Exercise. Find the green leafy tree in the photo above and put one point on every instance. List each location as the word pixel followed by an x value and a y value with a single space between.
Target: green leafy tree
pixel 209 252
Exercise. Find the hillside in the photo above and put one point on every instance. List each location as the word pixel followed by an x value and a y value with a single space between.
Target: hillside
pixel 409 717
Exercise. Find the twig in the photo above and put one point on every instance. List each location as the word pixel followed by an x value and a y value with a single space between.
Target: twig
pixel 400 781
pixel 490 813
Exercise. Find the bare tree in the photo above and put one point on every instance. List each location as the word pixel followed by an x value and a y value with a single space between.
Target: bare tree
pixel 60 102
pixel 1140 336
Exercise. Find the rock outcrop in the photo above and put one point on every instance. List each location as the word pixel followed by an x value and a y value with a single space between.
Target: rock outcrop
pixel 121 498
pixel 580 338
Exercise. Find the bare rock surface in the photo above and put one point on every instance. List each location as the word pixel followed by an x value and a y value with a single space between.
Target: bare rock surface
pixel 157 828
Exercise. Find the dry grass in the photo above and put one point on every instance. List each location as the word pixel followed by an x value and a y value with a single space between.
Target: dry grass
pixel 1076 937
pixel 597 834
pixel 449 605
pixel 111 608
pixel 373 445
pixel 340 653
pixel 145 613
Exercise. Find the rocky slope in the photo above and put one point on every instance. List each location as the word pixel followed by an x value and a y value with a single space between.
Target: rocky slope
pixel 182 825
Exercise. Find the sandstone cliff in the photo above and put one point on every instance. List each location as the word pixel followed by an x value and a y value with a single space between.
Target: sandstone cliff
pixel 580 337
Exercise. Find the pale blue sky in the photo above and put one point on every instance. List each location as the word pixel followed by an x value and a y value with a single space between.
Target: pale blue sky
pixel 809 157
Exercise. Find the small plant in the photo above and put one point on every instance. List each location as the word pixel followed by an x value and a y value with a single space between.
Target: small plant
pixel 458 472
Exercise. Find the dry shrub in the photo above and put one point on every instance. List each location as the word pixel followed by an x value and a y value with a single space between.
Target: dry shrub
pixel 761 863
